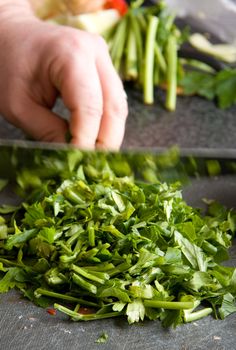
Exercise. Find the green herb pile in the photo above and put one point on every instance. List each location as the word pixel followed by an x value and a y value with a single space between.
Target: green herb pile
pixel 90 235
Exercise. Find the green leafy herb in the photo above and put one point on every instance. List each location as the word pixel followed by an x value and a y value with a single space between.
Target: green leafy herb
pixel 220 86
pixel 95 236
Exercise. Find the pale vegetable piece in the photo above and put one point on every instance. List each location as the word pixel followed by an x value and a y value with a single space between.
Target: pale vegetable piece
pixel 61 20
pixel 224 52
pixel 45 9
pixel 96 22
pixel 84 6
pixel 48 8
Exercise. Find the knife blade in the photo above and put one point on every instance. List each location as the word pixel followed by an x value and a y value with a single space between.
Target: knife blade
pixel 164 164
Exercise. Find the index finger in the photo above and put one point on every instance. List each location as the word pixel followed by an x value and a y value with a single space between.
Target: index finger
pixel 115 106
pixel 81 92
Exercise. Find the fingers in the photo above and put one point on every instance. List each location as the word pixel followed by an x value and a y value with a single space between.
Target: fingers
pixel 115 108
pixel 82 94
pixel 41 124
pixel 92 91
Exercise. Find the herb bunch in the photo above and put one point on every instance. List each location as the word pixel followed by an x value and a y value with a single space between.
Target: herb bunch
pixel 143 46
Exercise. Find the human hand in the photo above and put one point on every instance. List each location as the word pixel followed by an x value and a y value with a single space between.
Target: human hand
pixel 38 62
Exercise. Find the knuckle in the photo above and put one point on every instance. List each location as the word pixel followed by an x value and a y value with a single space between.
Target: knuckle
pixel 93 110
pixel 101 43
pixel 17 111
pixel 118 110
pixel 70 39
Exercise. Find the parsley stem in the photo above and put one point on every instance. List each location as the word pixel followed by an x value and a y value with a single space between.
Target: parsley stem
pixel 9 262
pixel 139 42
pixel 90 276
pixel 91 233
pixel 102 267
pixel 84 284
pixel 171 305
pixel 75 237
pixel 209 248
pixel 160 59
pixel 171 53
pixel 149 60
pixel 119 42
pixel 40 291
pixel 81 317
pixel 131 64
pixel 72 196
pixel 197 315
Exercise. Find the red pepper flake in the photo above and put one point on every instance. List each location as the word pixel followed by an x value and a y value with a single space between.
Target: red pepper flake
pixel 52 312
pixel 119 5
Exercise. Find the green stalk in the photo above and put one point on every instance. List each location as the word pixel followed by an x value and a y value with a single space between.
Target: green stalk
pixel 156 75
pixel 9 262
pixel 3 231
pixel 72 196
pixel 131 64
pixel 90 276
pixel 142 21
pixel 160 59
pixel 170 305
pixel 148 87
pixel 102 275
pixel 65 259
pixel 209 248
pixel 119 268
pixel 113 230
pixel 197 315
pixel 119 43
pixel 171 53
pixel 80 317
pixel 85 255
pixel 106 266
pixel 91 233
pixel 40 291
pixel 66 249
pixel 77 307
pixel 75 236
pixel 84 284
pixel 137 3
pixel 139 43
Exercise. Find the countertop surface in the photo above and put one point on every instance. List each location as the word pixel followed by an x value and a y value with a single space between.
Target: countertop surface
pixel 196 123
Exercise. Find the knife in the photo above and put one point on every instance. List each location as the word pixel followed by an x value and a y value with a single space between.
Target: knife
pixel 164 164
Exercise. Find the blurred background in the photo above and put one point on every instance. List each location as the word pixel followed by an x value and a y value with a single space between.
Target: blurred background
pixel 218 16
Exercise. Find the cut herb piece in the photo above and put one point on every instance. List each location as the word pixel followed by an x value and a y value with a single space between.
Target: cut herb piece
pixel 103 338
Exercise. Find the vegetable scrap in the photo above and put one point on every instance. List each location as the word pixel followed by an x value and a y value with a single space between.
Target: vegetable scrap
pixel 96 242
pixel 103 338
